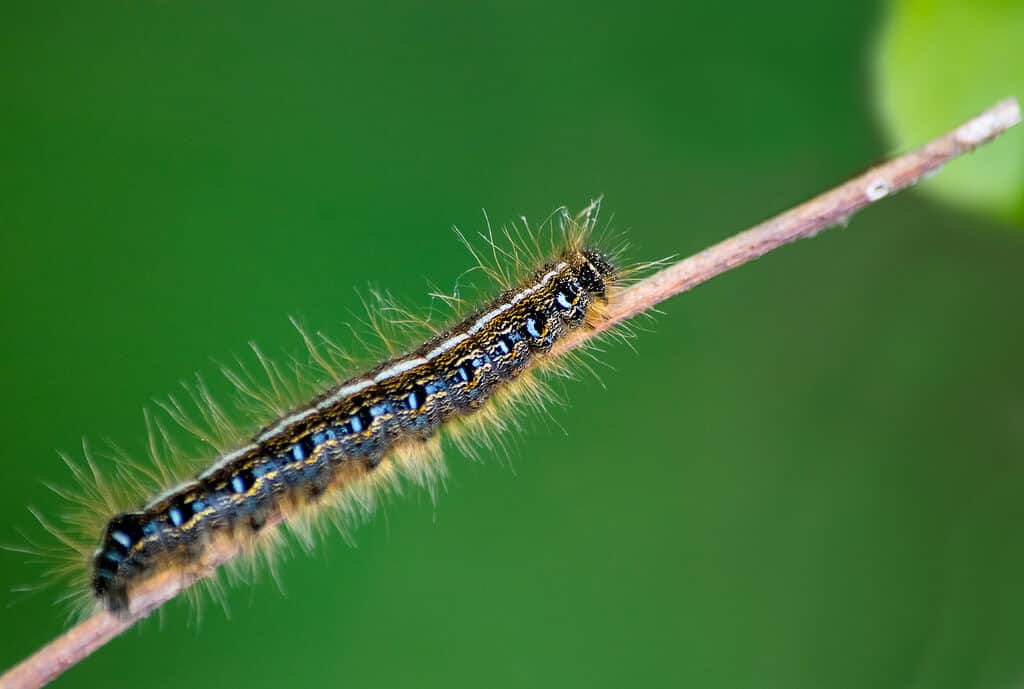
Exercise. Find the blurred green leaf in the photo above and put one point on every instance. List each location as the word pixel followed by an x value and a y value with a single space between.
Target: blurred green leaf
pixel 941 61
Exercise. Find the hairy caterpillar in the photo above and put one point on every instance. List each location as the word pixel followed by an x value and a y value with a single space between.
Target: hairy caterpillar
pixel 363 432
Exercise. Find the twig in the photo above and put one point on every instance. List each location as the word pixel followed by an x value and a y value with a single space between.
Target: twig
pixel 831 208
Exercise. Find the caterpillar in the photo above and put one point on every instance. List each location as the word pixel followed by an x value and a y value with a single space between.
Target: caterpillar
pixel 363 432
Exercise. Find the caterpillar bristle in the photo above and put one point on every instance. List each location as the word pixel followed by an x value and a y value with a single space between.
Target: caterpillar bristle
pixel 326 444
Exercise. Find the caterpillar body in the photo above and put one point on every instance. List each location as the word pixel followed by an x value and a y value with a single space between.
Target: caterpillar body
pixel 367 430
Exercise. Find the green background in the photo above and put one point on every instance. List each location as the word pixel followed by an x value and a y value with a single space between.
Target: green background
pixel 807 475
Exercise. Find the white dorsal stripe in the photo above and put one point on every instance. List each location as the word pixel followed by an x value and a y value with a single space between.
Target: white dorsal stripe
pixel 399 368
pixel 227 459
pixel 482 322
pixel 173 490
pixel 210 471
pixel 403 365
pixel 446 345
pixel 343 392
pixel 285 423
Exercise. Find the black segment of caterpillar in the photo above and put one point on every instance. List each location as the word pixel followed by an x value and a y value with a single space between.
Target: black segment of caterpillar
pixel 348 435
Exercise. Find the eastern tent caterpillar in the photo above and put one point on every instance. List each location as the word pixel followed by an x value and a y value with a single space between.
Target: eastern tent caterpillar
pixel 362 433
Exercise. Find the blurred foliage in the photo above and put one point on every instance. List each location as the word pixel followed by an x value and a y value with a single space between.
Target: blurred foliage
pixel 941 61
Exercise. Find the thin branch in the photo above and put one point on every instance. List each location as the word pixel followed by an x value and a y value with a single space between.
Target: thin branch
pixel 831 208
pixel 834 207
